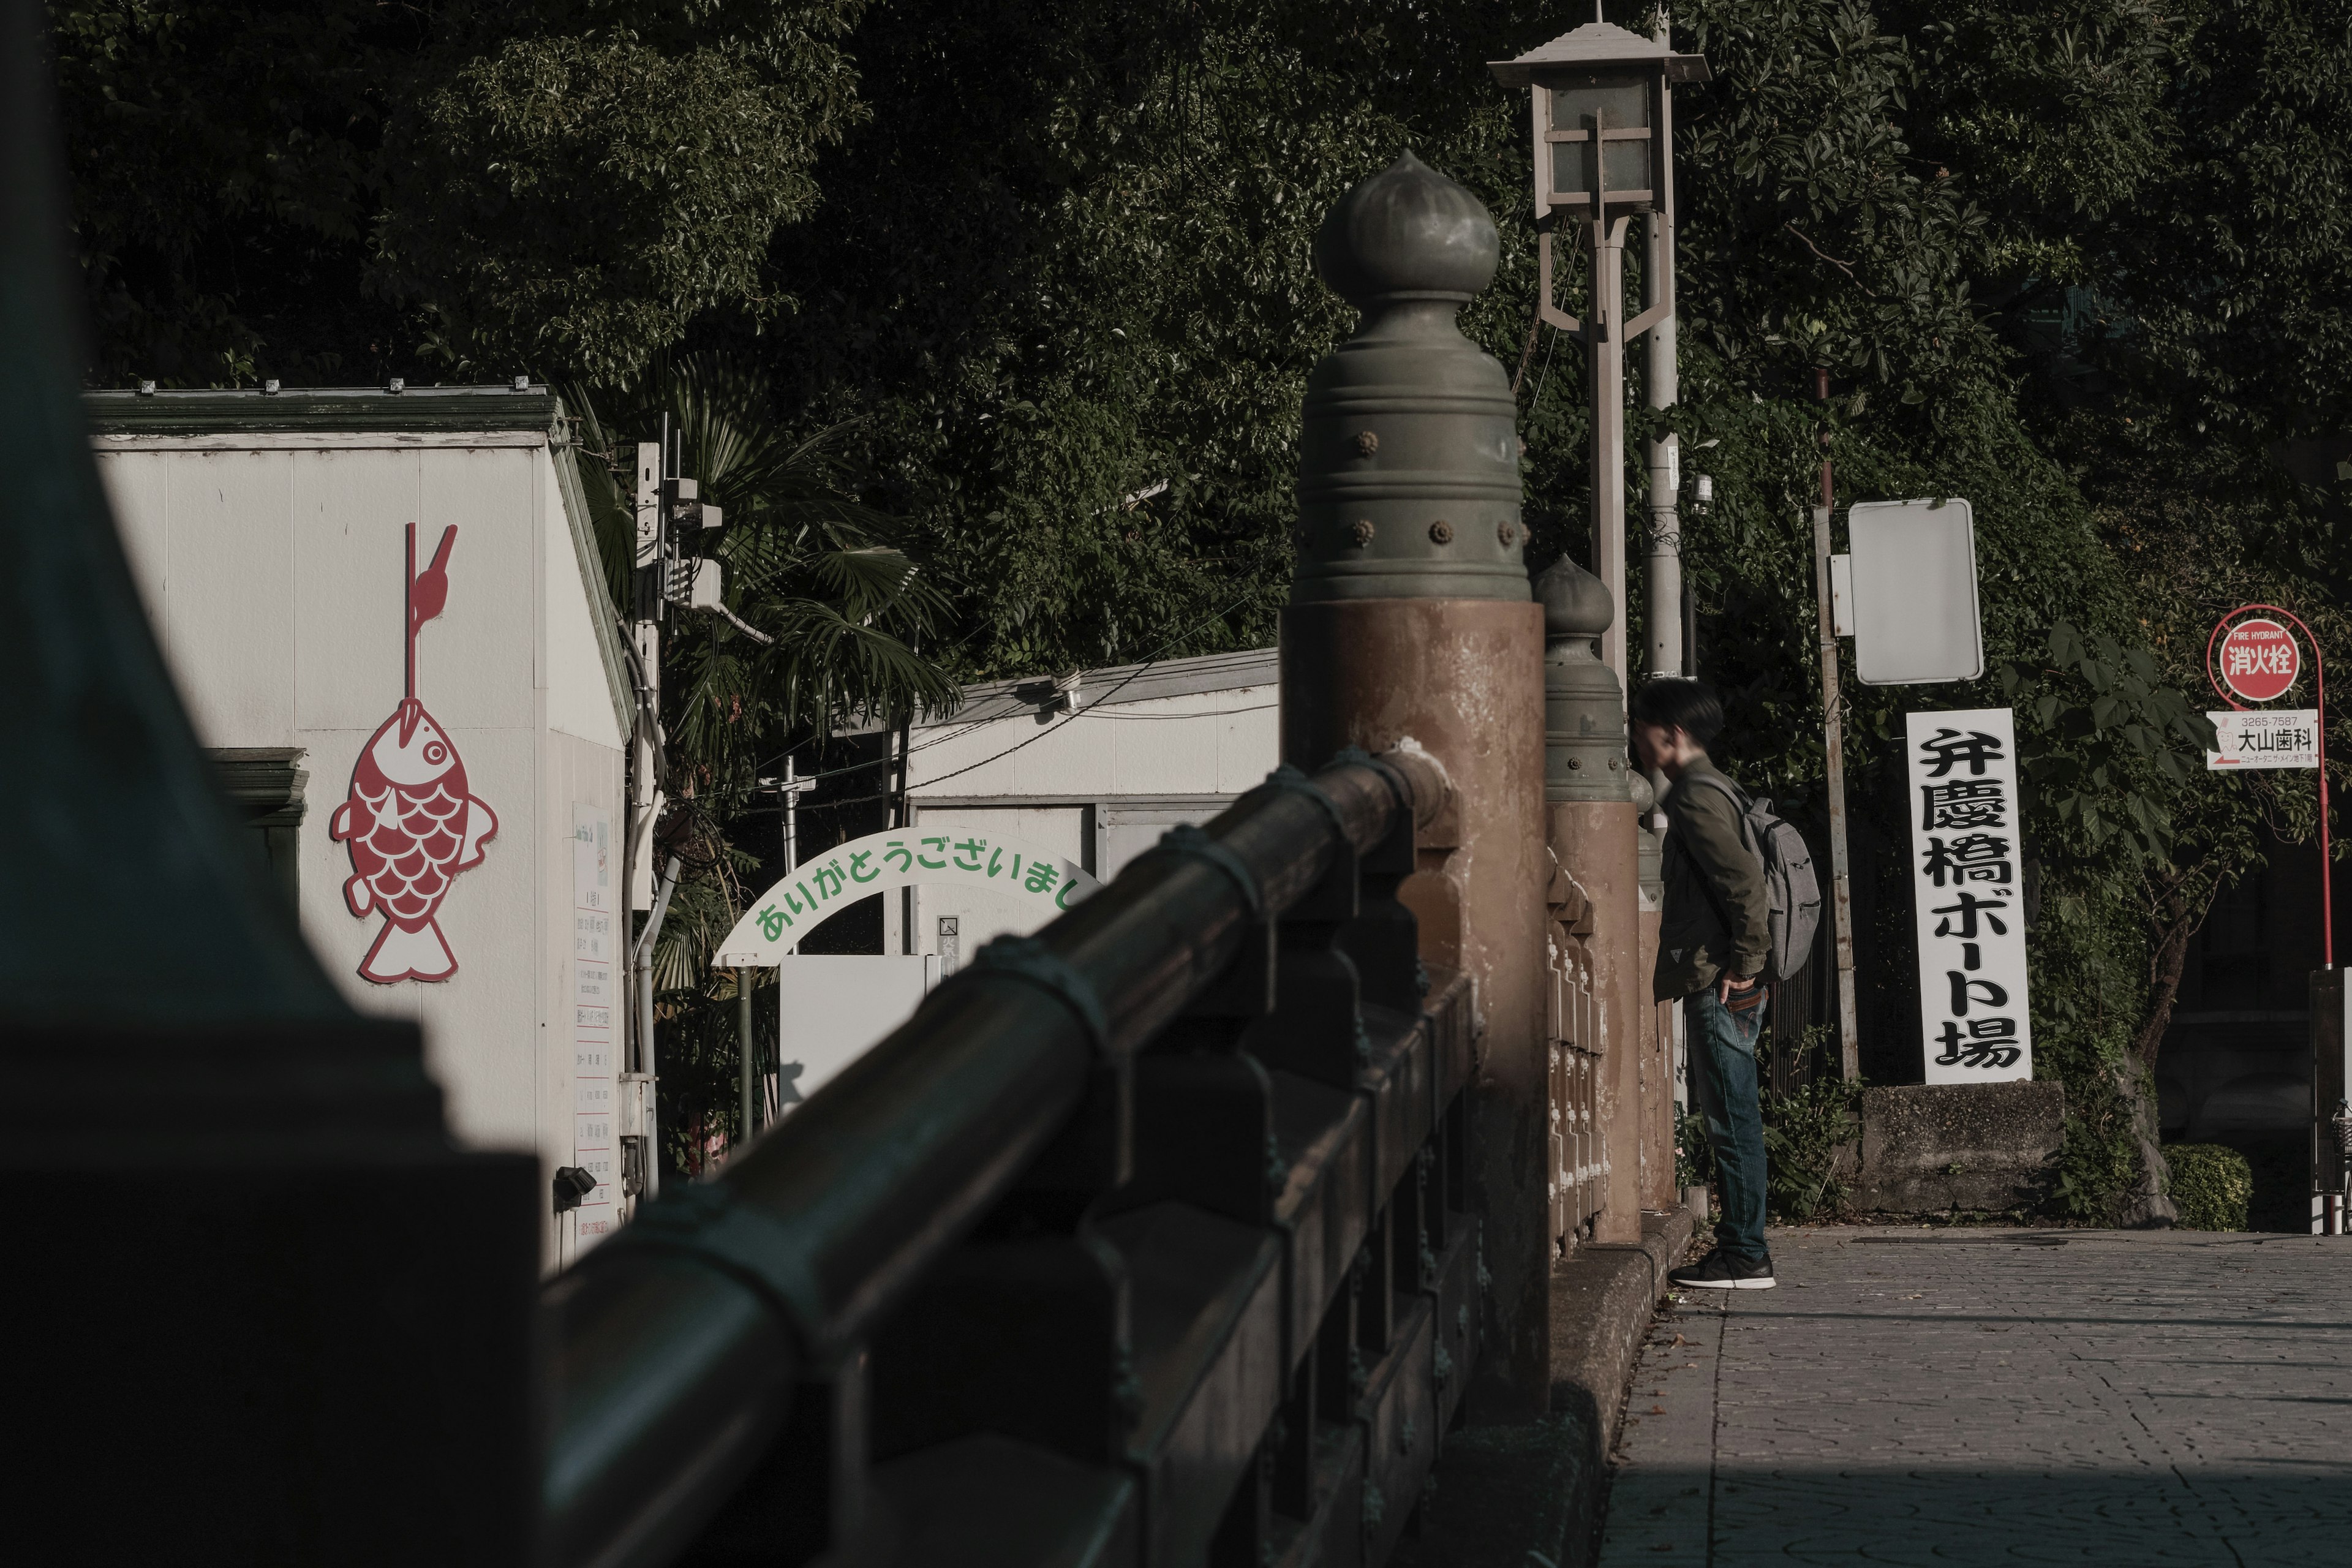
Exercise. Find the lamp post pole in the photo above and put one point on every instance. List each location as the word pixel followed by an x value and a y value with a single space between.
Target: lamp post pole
pixel 1663 581
pixel 1604 338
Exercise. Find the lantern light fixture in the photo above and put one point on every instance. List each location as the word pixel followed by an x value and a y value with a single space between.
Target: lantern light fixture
pixel 1603 105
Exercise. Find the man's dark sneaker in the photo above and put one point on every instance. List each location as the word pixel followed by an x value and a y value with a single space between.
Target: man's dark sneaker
pixel 1719 1271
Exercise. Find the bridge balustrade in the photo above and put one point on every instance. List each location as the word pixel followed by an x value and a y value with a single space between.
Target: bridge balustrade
pixel 1574 1183
pixel 1149 1232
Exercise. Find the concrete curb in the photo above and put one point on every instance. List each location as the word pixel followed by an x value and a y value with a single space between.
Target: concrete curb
pixel 1527 1497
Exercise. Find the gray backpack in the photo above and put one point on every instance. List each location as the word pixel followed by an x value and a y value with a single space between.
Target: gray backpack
pixel 1788 862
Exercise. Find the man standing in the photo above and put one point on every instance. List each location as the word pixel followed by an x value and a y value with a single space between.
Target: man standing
pixel 1714 941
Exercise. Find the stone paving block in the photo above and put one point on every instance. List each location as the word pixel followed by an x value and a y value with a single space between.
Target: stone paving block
pixel 1998 1396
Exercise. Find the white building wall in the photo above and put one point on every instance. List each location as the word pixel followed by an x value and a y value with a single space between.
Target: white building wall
pixel 272 566
pixel 1099 787
pixel 1208 742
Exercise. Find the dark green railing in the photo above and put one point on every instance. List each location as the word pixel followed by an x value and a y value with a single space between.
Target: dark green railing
pixel 1142 1239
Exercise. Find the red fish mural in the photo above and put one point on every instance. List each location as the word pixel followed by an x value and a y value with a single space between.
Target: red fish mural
pixel 410 821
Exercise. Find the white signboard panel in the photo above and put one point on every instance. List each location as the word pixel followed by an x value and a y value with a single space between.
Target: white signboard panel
pixel 2274 738
pixel 1914 592
pixel 593 1005
pixel 1968 892
pixel 836 1007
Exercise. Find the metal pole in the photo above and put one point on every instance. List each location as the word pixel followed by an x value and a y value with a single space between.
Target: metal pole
pixel 1662 581
pixel 1604 335
pixel 644 968
pixel 2326 859
pixel 791 818
pixel 753 1098
pixel 743 1048
pixel 900 813
pixel 1833 737
pixel 645 794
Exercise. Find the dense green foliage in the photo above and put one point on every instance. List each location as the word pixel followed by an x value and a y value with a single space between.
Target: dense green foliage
pixel 2211 1184
pixel 2088 264
pixel 331 189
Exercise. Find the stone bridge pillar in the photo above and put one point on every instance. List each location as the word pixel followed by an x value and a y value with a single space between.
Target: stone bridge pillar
pixel 1410 620
pixel 1589 818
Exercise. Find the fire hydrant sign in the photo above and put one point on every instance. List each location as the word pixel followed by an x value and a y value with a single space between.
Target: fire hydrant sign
pixel 2259 660
pixel 1968 892
pixel 2275 738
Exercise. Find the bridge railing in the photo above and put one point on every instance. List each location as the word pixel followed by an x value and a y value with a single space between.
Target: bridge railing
pixel 1578 1159
pixel 1175 1234
pixel 1150 1231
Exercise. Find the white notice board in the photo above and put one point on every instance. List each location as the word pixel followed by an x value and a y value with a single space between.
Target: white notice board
pixel 1913 592
pixel 834 1007
pixel 1969 895
pixel 594 1004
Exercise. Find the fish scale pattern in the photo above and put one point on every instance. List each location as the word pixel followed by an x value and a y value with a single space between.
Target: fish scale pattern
pixel 1998 1396
pixel 414 836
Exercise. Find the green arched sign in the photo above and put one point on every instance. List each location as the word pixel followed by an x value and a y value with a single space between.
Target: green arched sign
pixel 812 894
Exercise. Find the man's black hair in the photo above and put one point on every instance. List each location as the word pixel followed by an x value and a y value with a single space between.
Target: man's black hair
pixel 1673 702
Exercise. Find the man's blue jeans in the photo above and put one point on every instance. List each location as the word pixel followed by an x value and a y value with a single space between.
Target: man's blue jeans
pixel 1722 1046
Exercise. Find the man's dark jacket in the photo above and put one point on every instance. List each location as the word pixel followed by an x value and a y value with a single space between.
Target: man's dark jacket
pixel 1718 911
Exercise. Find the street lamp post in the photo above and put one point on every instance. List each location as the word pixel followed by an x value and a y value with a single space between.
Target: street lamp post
pixel 1662 579
pixel 1602 102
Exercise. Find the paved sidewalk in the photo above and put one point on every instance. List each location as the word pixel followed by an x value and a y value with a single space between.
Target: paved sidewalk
pixel 1997 1396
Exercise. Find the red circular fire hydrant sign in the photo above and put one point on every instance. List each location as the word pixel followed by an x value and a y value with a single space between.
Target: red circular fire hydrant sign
pixel 2259 660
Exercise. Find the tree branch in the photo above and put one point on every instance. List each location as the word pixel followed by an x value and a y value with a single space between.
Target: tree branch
pixel 1819 254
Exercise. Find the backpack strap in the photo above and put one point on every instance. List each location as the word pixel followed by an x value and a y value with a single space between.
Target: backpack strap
pixel 1738 796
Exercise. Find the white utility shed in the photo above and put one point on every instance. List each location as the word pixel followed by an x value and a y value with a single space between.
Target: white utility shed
pixel 269 535
pixel 1095 770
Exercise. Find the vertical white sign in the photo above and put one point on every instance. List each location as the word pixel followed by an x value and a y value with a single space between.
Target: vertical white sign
pixel 1968 889
pixel 595 1149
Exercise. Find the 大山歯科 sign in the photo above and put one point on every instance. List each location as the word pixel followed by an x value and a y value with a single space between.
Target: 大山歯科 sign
pixel 2273 738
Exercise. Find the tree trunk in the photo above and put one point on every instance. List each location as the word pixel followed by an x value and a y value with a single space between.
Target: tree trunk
pixel 2171 959
pixel 2146 1206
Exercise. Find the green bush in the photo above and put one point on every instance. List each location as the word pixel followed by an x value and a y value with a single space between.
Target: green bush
pixel 1694 1155
pixel 2212 1185
pixel 1809 1137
